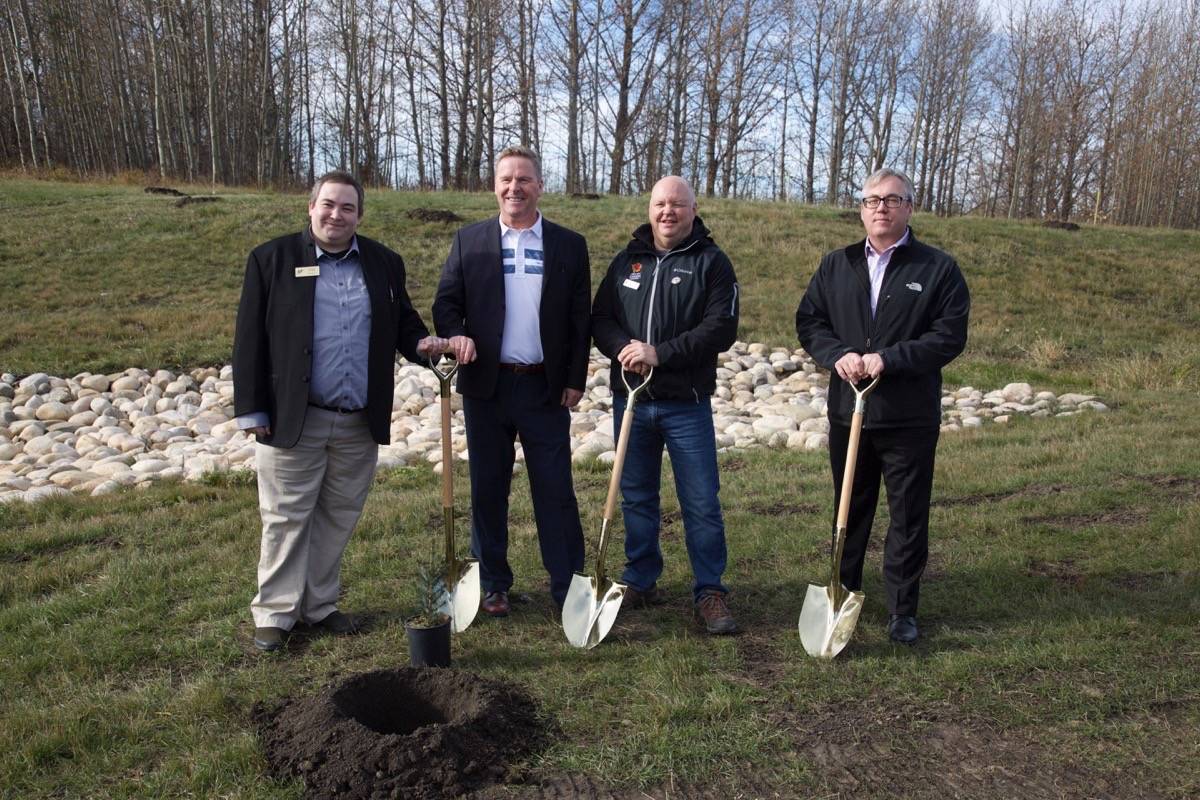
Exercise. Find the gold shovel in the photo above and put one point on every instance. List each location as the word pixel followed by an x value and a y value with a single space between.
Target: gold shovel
pixel 461 599
pixel 829 613
pixel 592 603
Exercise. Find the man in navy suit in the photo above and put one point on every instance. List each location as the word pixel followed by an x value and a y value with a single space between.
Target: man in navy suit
pixel 514 301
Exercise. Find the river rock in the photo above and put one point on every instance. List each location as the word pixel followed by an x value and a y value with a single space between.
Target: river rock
pixel 137 426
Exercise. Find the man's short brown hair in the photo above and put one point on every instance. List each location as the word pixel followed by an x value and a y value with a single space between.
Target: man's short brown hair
pixel 338 176
pixel 521 151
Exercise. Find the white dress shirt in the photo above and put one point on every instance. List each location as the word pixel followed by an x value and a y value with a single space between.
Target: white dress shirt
pixel 522 255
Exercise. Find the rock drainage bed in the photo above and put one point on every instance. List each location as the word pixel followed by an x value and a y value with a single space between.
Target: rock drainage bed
pixel 401 733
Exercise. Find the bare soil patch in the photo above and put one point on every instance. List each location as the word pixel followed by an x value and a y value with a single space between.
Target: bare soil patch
pixel 1142 581
pixel 1120 517
pixel 104 541
pixel 1177 484
pixel 784 509
pixel 189 199
pixel 876 752
pixel 1035 490
pixel 1065 572
pixel 402 733
pixel 433 215
pixel 582 787
pixel 868 748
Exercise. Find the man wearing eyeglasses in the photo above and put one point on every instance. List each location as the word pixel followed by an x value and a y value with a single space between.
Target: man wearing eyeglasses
pixel 894 308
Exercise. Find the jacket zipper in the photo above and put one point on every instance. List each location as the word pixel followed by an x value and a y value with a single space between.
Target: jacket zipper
pixel 658 260
pixel 654 284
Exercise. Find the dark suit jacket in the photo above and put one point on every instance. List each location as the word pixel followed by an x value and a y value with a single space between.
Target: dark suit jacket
pixel 470 302
pixel 272 344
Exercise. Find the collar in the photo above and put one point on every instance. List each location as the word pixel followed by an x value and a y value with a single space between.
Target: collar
pixel 535 228
pixel 872 252
pixel 643 238
pixel 353 246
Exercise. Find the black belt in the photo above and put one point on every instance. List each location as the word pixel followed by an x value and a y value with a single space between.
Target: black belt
pixel 524 369
pixel 337 410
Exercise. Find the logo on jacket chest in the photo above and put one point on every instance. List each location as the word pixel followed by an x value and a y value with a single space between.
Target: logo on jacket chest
pixel 635 276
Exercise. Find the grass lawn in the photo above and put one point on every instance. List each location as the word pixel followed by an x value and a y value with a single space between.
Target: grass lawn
pixel 1061 606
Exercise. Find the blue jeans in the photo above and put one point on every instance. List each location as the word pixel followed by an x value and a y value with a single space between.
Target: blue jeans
pixel 686 428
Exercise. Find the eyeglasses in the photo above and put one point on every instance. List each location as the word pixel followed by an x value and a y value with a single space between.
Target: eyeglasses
pixel 890 201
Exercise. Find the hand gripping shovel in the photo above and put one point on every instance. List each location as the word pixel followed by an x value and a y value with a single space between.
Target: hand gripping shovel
pixel 461 601
pixel 829 613
pixel 592 603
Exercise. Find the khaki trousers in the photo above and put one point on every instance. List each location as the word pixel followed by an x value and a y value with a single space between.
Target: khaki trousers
pixel 310 497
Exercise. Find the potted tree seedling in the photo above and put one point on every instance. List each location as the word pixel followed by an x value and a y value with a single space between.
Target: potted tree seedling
pixel 428 627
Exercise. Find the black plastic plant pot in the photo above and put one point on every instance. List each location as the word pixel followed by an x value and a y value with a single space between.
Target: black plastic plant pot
pixel 429 647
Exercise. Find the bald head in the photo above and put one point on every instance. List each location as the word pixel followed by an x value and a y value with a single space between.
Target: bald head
pixel 672 211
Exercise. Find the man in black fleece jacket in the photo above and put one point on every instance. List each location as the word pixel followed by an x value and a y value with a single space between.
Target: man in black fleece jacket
pixel 670 302
pixel 892 307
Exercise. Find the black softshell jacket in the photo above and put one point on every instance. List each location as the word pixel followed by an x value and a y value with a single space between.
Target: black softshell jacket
pixel 920 325
pixel 685 303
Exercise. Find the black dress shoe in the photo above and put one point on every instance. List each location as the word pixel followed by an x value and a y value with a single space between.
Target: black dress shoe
pixel 268 639
pixel 902 628
pixel 338 624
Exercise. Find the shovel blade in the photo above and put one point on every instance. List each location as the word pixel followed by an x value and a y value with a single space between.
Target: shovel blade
pixel 461 602
pixel 825 632
pixel 588 614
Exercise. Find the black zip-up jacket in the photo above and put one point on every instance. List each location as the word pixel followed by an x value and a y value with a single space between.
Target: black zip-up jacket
pixel 920 325
pixel 685 303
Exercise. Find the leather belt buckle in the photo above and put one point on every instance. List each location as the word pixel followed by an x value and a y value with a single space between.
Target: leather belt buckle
pixel 523 369
pixel 337 410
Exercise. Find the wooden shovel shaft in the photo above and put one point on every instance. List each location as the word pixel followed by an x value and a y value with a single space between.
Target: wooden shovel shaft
pixel 448 484
pixel 843 514
pixel 614 482
pixel 447 455
pixel 447 474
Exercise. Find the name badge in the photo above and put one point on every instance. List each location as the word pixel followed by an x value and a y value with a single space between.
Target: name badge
pixel 632 284
pixel 308 272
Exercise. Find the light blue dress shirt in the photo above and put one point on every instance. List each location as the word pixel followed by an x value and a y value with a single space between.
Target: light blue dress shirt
pixel 341 332
pixel 341 336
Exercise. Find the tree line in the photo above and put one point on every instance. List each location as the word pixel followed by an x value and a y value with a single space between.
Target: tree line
pixel 1071 109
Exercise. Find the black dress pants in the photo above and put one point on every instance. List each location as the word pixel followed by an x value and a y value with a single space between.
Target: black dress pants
pixel 903 458
pixel 521 406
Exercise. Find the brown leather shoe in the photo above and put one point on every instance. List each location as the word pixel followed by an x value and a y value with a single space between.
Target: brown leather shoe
pixel 643 598
pixel 268 639
pixel 495 604
pixel 712 610
pixel 338 624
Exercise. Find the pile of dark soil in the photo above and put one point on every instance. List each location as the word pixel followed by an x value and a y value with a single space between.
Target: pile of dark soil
pixel 433 215
pixel 402 733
